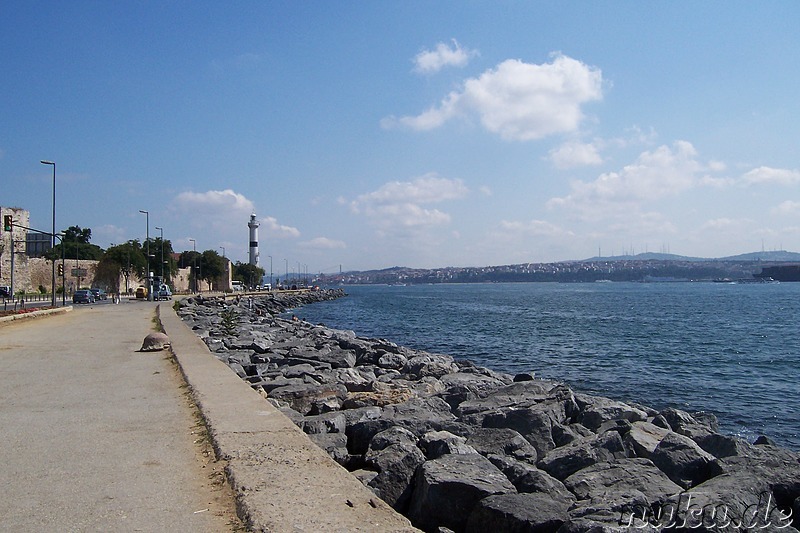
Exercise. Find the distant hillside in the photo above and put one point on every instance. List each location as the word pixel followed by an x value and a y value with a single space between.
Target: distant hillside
pixel 780 255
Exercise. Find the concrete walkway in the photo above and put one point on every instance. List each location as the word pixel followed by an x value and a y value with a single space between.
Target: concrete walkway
pixel 281 479
pixel 96 436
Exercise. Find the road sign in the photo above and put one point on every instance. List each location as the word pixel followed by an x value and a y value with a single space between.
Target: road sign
pixel 79 272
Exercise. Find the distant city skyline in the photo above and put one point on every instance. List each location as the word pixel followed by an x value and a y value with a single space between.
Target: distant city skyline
pixel 425 135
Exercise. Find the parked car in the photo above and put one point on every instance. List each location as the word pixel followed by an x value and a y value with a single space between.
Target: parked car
pixel 83 296
pixel 5 291
pixel 99 294
pixel 141 292
pixel 164 293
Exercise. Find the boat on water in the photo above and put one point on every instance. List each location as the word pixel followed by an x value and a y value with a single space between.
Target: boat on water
pixel 780 273
pixel 746 280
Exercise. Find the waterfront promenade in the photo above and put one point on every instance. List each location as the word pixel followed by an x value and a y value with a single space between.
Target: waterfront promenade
pixel 97 436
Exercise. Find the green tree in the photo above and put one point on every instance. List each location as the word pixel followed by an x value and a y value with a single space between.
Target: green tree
pixel 159 249
pixel 213 266
pixel 249 275
pixel 126 259
pixel 78 234
pixel 191 259
pixel 76 245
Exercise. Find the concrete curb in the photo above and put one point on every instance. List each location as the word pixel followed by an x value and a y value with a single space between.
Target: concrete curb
pixel 281 479
pixel 35 314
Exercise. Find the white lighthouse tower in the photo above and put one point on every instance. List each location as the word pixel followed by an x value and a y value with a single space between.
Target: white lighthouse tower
pixel 253 225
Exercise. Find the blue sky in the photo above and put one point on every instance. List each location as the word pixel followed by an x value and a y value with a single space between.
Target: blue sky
pixel 420 134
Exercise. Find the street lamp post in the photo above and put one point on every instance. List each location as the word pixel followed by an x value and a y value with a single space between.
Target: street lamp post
pixel 286 278
pixel 147 239
pixel 270 272
pixel 194 263
pixel 162 252
pixel 53 235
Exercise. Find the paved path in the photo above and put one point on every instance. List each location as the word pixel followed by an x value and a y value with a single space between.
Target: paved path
pixel 96 436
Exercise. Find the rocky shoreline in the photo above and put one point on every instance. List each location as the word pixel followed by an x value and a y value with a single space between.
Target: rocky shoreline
pixel 458 447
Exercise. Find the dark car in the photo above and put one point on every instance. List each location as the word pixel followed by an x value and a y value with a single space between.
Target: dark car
pixel 99 294
pixel 5 291
pixel 83 297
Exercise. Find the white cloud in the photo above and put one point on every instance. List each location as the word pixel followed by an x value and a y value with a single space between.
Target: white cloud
pixel 227 212
pixel 322 243
pixel 787 208
pixel 539 228
pixel 271 226
pixel 431 61
pixel 573 154
pixel 665 171
pixel 215 202
pixel 517 100
pixel 401 203
pixel 768 175
pixel 429 188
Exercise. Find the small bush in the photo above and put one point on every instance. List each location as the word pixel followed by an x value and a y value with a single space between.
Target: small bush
pixel 230 322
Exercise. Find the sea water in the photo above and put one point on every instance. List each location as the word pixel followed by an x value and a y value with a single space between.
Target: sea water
pixel 731 349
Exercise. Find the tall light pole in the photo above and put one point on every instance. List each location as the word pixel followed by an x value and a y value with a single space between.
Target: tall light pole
pixel 194 264
pixel 162 252
pixel 147 239
pixel 286 279
pixel 53 235
pixel 270 272
pixel 223 251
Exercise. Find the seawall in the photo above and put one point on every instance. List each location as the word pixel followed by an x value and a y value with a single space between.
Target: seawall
pixel 456 446
pixel 281 480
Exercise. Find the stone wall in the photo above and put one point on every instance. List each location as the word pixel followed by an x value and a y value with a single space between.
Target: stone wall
pixel 22 275
pixel 41 271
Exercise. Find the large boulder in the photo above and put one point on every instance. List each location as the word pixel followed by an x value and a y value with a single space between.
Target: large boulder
pixel 420 415
pixel 620 485
pixel 565 461
pixel 527 478
pixel 643 437
pixel 529 513
pixel 597 410
pixel 302 397
pixel 502 441
pixel 447 489
pixel 438 443
pixel 684 461
pixel 395 464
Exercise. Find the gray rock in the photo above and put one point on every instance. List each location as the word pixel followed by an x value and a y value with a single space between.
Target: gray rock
pixel 154 342
pixel 430 365
pixel 393 435
pixel 565 461
pixel 691 426
pixel 396 465
pixel 438 443
pixel 301 397
pixel 535 425
pixel 502 441
pixel 332 422
pixel 447 489
pixel 602 410
pixel 643 438
pixel 523 513
pixel 683 461
pixel 420 415
pixel 462 386
pixel 621 484
pixel 528 478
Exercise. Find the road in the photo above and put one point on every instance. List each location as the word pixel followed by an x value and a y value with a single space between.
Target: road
pixel 97 436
